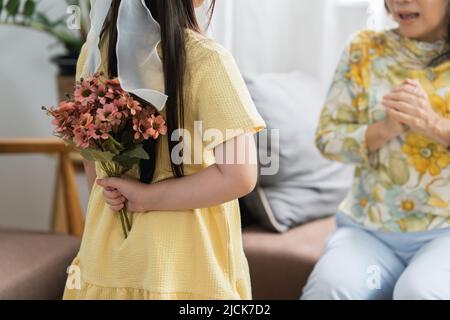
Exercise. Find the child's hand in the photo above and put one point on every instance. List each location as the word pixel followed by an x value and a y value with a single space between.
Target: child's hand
pixel 114 198
pixel 121 192
pixel 410 105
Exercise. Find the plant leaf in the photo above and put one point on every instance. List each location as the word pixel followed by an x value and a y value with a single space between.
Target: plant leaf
pixel 29 8
pixel 137 152
pixel 113 146
pixel 1 8
pixel 12 7
pixel 125 162
pixel 132 156
pixel 58 22
pixel 96 155
pixel 42 19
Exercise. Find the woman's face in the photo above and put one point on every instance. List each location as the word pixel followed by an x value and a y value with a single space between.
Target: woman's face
pixel 198 3
pixel 425 20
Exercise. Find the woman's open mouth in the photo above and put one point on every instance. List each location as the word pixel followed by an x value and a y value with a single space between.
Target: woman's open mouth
pixel 408 17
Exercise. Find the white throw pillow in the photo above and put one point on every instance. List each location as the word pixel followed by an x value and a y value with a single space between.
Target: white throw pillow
pixel 307 186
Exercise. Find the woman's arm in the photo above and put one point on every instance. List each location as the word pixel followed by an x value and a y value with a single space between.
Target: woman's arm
pixel 217 184
pixel 91 175
pixel 379 133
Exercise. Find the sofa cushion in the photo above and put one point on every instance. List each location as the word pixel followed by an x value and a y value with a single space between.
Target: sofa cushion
pixel 307 186
pixel 33 265
pixel 280 264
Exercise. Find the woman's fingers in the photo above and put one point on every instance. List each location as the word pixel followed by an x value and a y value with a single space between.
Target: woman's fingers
pixel 413 83
pixel 402 107
pixel 409 88
pixel 401 96
pixel 403 118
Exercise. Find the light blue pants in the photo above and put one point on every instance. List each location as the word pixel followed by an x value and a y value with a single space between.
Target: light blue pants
pixel 360 264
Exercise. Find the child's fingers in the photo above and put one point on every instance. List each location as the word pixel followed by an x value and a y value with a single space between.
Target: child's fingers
pixel 117 208
pixel 115 202
pixel 112 194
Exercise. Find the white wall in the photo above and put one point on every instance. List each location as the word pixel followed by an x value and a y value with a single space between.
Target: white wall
pixel 282 35
pixel 27 81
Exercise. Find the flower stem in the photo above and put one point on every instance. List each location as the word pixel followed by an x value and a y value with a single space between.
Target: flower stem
pixel 113 170
pixel 123 212
pixel 124 229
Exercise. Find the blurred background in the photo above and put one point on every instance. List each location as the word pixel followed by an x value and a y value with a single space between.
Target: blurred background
pixel 265 36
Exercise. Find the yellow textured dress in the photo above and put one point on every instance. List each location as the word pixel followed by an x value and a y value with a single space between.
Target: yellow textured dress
pixel 195 254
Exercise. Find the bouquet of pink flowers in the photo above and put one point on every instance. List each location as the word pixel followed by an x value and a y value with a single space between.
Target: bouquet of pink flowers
pixel 108 125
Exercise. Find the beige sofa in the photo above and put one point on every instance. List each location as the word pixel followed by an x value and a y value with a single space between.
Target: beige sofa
pixel 33 264
pixel 281 263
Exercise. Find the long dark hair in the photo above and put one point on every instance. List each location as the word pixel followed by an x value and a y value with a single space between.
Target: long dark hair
pixel 174 17
pixel 444 57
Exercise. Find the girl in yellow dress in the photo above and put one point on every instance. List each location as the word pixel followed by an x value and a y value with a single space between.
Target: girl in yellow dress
pixel 185 241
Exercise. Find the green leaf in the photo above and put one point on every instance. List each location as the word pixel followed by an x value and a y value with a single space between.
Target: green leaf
pixel 125 162
pixel 42 19
pixel 113 146
pixel 12 7
pixel 57 22
pixel 29 8
pixel 96 155
pixel 132 156
pixel 137 152
pixel 1 7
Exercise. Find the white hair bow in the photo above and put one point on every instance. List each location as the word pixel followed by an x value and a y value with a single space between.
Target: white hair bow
pixel 139 66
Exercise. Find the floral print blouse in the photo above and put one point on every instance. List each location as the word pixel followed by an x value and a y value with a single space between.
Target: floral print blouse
pixel 404 186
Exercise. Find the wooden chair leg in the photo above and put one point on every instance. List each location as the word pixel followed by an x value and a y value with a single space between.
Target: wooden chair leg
pixel 71 197
pixel 59 221
pixel 67 213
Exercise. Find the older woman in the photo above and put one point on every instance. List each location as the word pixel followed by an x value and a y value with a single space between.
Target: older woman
pixel 387 112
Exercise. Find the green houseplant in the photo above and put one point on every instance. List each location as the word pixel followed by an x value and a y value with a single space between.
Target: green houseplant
pixel 32 14
pixel 27 13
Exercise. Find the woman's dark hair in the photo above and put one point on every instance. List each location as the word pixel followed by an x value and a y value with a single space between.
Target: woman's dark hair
pixel 174 17
pixel 444 57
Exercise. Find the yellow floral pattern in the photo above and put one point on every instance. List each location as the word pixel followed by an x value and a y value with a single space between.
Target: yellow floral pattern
pixel 404 186
pixel 440 104
pixel 425 155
